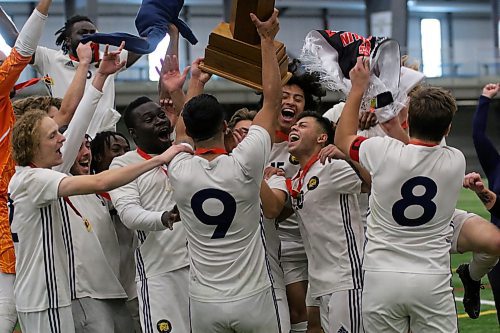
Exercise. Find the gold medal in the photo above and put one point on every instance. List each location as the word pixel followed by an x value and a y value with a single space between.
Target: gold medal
pixel 87 224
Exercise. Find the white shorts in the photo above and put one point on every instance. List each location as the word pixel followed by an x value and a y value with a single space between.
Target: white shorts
pixel 101 315
pixel 294 271
pixel 58 320
pixel 343 310
pixel 458 220
pixel 283 310
pixel 164 302
pixel 254 314
pixel 293 251
pixel 8 313
pixel 398 302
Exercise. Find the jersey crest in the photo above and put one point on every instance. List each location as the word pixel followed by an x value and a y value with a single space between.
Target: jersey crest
pixel 312 183
pixel 164 326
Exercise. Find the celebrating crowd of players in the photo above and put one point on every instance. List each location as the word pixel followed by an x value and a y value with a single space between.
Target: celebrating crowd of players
pixel 259 224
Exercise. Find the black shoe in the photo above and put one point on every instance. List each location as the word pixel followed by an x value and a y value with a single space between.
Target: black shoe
pixel 472 296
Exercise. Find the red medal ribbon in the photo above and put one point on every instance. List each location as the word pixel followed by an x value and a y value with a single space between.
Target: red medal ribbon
pixel 300 175
pixel 281 135
pixel 46 79
pixel 421 143
pixel 215 151
pixel 146 156
pixel 86 222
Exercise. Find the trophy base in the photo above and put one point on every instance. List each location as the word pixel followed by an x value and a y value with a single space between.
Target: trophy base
pixel 238 61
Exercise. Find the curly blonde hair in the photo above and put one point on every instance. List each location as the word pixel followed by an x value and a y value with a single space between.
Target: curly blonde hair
pixel 21 106
pixel 26 136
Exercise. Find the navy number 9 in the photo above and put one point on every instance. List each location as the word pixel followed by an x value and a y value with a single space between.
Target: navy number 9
pixel 223 220
pixel 409 199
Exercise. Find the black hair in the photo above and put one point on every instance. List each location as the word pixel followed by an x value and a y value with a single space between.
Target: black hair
pixel 325 124
pixel 65 32
pixel 127 113
pixel 99 143
pixel 308 82
pixel 203 116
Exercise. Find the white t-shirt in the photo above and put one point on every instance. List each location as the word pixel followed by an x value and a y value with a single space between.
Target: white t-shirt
pixel 219 204
pixel 62 69
pixel 413 196
pixel 273 243
pixel 41 262
pixel 331 226
pixel 92 248
pixel 140 205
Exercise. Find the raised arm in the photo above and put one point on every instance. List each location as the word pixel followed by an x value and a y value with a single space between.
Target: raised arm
pixel 485 149
pixel 111 179
pixel 271 79
pixel 347 126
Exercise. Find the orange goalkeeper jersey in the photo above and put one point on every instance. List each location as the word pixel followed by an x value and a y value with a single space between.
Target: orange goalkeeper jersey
pixel 9 73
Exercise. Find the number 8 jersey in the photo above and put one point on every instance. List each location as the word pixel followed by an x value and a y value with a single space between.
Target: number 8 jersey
pixel 413 196
pixel 219 205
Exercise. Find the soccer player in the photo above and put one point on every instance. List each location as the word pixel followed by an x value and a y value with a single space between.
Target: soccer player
pixel 228 272
pixel 10 69
pixel 414 192
pixel 42 289
pixel 145 205
pixel 324 198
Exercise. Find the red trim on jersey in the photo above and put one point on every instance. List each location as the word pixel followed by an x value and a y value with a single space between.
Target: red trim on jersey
pixel 300 175
pixel 215 151
pixel 146 156
pixel 105 195
pixel 281 135
pixel 421 143
pixel 354 149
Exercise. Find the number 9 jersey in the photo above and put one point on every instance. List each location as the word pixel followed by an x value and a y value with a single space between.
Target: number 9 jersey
pixel 219 205
pixel 414 193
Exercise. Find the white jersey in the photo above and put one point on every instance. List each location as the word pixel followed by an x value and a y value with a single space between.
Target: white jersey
pixel 288 229
pixel 413 196
pixel 62 69
pixel 219 204
pixel 140 205
pixel 273 243
pixel 41 262
pixel 92 248
pixel 331 226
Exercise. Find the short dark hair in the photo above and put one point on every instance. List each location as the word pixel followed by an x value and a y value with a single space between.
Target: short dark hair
pixel 325 124
pixel 63 33
pixel 129 110
pixel 430 113
pixel 203 116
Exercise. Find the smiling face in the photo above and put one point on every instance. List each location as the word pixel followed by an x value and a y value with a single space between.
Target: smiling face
pixel 292 105
pixel 151 131
pixel 48 153
pixel 83 159
pixel 306 137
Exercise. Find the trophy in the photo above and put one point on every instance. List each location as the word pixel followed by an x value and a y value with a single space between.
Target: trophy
pixel 233 50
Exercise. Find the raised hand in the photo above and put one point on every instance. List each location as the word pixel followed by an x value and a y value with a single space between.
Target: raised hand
pixel 474 182
pixel 171 78
pixel 110 62
pixel 491 89
pixel 360 74
pixel 84 53
pixel 270 171
pixel 268 29
pixel 197 73
pixel 330 152
pixel 367 120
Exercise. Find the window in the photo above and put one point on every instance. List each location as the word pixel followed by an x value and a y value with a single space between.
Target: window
pixel 430 30
pixel 154 58
pixel 4 47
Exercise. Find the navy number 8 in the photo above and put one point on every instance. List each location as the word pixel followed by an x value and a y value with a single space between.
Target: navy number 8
pixel 409 199
pixel 223 220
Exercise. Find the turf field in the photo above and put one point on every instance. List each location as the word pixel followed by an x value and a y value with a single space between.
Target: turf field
pixel 487 322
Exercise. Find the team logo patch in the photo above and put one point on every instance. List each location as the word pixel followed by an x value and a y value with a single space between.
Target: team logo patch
pixel 164 326
pixel 293 160
pixel 313 183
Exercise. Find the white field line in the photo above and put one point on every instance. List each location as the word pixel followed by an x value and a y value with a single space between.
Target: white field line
pixel 485 302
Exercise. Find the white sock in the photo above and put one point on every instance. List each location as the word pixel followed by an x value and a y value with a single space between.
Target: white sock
pixel 299 327
pixel 481 264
